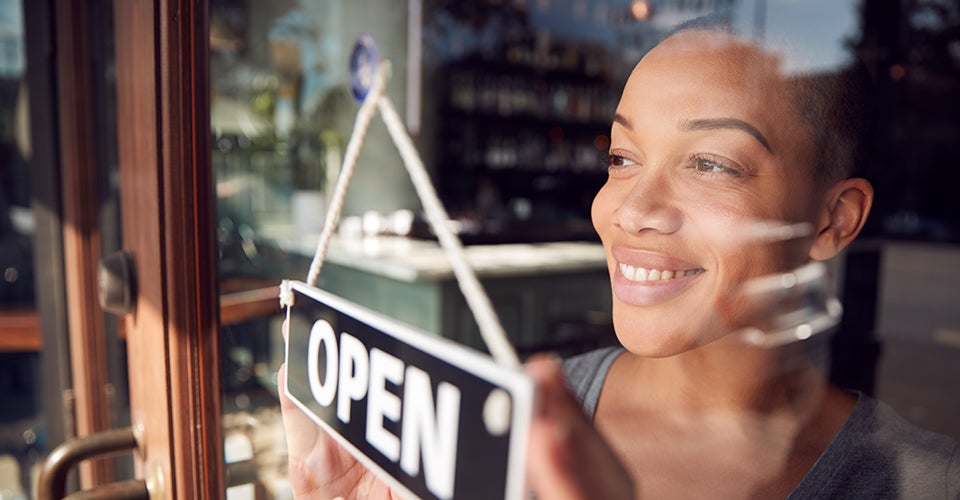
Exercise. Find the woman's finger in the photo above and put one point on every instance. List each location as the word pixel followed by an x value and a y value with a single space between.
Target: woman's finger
pixel 568 459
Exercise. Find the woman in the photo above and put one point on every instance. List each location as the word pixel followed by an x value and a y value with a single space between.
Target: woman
pixel 710 143
pixel 710 138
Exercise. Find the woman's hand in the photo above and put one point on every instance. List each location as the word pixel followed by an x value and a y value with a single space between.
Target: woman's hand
pixel 567 457
pixel 319 467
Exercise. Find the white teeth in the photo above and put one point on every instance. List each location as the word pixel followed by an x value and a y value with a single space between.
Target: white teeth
pixel 640 274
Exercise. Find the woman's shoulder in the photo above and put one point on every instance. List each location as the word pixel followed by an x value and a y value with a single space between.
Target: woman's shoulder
pixel 882 430
pixel 586 372
pixel 880 454
pixel 890 428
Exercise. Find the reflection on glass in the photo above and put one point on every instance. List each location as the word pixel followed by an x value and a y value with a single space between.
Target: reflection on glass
pixel 21 426
pixel 517 101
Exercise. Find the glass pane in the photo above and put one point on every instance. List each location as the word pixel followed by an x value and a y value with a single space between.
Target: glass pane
pixel 21 415
pixel 511 105
pixel 34 383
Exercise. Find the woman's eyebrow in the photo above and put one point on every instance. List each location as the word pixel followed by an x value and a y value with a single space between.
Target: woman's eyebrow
pixel 622 120
pixel 725 123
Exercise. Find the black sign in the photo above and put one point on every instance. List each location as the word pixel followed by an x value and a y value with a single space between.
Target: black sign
pixel 429 416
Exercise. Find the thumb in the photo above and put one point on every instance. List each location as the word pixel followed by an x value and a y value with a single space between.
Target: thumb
pixel 568 459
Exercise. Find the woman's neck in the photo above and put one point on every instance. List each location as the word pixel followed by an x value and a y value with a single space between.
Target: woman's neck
pixel 720 422
pixel 724 376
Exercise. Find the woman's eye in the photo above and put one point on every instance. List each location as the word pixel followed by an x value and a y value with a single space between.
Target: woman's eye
pixel 615 161
pixel 711 166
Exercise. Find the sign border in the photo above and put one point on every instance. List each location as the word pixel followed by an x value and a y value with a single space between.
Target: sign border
pixel 474 362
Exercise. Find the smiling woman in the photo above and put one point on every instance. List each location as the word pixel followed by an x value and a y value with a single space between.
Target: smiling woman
pixel 696 161
pixel 710 142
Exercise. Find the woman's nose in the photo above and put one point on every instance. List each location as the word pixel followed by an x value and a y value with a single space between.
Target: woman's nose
pixel 649 205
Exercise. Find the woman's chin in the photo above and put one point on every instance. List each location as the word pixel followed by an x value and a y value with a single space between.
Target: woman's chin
pixel 662 339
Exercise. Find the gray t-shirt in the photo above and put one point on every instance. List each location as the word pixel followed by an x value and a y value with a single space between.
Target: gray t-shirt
pixel 876 454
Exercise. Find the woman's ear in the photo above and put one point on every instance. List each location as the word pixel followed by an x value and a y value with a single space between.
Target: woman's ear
pixel 844 212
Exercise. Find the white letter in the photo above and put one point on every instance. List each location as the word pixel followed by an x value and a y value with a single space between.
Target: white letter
pixel 322 333
pixel 354 373
pixel 436 431
pixel 382 403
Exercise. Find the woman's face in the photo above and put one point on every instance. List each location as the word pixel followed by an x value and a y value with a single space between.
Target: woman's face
pixel 704 145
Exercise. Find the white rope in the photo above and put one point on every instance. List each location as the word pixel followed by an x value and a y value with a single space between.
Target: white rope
pixel 490 328
pixel 360 127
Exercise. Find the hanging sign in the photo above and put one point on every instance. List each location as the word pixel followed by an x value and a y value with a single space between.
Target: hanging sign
pixel 431 417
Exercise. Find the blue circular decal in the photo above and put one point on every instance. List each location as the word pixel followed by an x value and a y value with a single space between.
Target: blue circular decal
pixel 363 66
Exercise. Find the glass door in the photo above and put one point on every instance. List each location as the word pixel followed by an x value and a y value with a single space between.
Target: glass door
pixel 121 173
pixel 121 170
pixel 61 354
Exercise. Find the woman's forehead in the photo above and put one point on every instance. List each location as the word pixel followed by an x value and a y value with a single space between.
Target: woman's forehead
pixel 725 70
pixel 720 49
pixel 705 75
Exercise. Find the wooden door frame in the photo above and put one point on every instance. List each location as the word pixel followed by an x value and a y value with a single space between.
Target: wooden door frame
pixel 80 200
pixel 46 205
pixel 167 212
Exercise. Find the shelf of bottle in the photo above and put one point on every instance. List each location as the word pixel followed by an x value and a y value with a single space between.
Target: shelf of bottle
pixel 509 96
pixel 530 69
pixel 543 121
pixel 530 170
pixel 527 156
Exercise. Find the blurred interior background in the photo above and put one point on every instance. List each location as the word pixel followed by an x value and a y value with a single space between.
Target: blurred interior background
pixel 509 103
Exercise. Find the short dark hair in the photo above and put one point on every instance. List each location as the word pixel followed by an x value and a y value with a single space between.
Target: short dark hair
pixel 837 108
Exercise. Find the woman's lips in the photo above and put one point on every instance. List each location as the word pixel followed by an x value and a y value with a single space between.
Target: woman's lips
pixel 645 278
pixel 642 274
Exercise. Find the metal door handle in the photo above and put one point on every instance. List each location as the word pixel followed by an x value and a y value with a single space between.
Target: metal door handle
pixel 117 284
pixel 53 477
